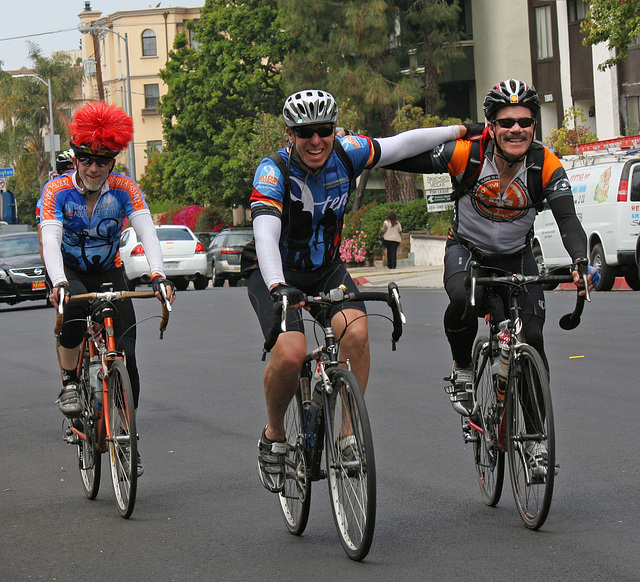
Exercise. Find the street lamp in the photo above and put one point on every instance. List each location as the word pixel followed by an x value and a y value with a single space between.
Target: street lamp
pixel 93 29
pixel 51 145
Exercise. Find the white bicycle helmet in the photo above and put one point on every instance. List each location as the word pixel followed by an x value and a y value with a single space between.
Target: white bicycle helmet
pixel 308 107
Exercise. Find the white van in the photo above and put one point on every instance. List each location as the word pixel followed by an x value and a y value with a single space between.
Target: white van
pixel 606 192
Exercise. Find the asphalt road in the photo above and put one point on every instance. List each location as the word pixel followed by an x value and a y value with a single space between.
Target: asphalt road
pixel 201 513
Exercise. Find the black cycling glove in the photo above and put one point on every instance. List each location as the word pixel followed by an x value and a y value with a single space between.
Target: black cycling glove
pixel 293 295
pixel 157 281
pixel 474 130
pixel 63 287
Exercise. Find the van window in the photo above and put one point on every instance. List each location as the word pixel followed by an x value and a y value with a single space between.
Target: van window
pixel 634 193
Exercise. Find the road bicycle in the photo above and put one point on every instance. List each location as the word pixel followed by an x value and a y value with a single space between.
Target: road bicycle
pixel 512 410
pixel 107 422
pixel 328 415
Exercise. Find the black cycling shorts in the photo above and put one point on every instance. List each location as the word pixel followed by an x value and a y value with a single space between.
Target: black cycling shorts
pixel 309 282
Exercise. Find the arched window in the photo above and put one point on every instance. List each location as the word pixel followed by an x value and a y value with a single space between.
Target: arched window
pixel 149 47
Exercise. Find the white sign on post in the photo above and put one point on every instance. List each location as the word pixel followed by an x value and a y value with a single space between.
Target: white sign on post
pixel 437 191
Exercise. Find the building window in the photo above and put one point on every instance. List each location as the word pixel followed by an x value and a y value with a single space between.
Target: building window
pixel 149 47
pixel 577 10
pixel 543 32
pixel 154 146
pixel 151 96
pixel 633 116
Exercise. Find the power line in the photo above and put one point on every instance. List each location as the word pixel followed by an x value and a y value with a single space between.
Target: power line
pixel 38 34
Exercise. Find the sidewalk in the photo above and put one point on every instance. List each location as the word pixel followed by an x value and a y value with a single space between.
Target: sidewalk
pixel 427 277
pixel 404 276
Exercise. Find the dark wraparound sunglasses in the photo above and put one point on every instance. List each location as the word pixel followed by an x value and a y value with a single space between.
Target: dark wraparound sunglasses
pixel 509 122
pixel 309 132
pixel 87 161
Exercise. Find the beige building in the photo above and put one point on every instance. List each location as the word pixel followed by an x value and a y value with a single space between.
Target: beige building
pixel 147 35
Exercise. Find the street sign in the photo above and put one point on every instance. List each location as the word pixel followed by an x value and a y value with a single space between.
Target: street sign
pixel 6 172
pixel 3 184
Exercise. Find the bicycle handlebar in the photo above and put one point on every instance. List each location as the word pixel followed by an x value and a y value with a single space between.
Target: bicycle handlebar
pixel 568 321
pixel 334 297
pixel 113 296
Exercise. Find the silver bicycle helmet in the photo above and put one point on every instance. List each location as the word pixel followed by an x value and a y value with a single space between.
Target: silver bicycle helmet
pixel 308 107
pixel 510 92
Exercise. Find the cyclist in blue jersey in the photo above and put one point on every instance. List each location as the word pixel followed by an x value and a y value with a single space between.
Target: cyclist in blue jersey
pixel 81 218
pixel 297 223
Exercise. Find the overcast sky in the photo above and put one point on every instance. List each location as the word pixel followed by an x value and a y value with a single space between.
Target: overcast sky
pixel 53 24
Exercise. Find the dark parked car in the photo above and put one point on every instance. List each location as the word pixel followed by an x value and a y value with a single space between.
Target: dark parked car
pixel 21 269
pixel 224 255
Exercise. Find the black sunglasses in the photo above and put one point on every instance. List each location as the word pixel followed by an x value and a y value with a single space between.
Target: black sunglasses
pixel 509 122
pixel 87 162
pixel 309 132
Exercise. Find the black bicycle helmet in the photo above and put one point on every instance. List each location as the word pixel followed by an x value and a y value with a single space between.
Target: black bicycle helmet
pixel 308 107
pixel 511 92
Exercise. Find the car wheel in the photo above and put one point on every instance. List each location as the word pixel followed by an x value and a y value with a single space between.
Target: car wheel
pixel 633 280
pixel 181 284
pixel 217 280
pixel 542 268
pixel 607 274
pixel 200 282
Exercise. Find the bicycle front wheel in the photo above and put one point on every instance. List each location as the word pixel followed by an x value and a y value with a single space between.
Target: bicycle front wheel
pixel 530 437
pixel 485 423
pixel 123 445
pixel 89 459
pixel 350 462
pixel 295 498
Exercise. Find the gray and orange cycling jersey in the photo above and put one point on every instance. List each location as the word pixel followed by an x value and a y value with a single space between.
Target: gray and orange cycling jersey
pixel 90 244
pixel 494 222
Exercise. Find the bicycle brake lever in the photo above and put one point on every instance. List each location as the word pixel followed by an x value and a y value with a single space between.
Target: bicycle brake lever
pixel 396 298
pixel 60 300
pixel 587 293
pixel 283 321
pixel 163 291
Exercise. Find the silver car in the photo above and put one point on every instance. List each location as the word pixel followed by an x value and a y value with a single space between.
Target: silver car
pixel 184 257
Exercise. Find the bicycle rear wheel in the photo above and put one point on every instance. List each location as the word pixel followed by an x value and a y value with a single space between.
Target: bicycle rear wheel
pixel 123 446
pixel 295 498
pixel 530 432
pixel 487 453
pixel 350 462
pixel 89 459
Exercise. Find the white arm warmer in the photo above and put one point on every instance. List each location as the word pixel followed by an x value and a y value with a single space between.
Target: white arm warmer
pixel 51 232
pixel 413 142
pixel 145 229
pixel 266 230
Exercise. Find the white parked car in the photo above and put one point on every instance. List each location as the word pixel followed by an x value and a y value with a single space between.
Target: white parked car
pixel 184 256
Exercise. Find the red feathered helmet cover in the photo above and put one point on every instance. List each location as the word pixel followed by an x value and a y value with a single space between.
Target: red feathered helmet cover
pixel 99 129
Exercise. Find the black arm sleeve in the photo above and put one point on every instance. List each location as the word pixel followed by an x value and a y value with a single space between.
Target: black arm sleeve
pixel 573 236
pixel 420 164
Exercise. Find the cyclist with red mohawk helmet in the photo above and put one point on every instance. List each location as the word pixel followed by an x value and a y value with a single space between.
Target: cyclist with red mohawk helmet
pixel 81 219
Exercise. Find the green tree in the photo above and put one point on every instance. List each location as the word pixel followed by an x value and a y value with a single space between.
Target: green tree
pixel 357 50
pixel 216 90
pixel 570 134
pixel 24 111
pixel 616 22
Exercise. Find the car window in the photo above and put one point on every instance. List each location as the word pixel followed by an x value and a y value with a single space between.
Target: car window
pixel 124 238
pixel 19 245
pixel 173 234
pixel 635 184
pixel 237 239
pixel 217 241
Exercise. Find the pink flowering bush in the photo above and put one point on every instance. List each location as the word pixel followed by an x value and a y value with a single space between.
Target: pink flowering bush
pixel 187 216
pixel 354 249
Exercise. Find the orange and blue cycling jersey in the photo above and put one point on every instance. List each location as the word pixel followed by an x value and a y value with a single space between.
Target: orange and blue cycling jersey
pixel 90 244
pixel 312 215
